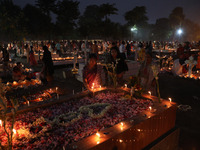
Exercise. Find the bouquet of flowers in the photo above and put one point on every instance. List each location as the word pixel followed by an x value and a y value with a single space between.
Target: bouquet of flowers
pixel 135 84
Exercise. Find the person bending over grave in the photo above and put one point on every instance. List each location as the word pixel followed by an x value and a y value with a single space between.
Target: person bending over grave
pixel 92 73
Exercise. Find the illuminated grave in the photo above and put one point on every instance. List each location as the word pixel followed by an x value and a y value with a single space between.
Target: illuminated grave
pixel 81 122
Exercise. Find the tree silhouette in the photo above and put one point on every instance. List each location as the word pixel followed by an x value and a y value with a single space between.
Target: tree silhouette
pixel 46 6
pixel 10 16
pixel 107 9
pixel 176 17
pixel 90 22
pixel 67 14
pixel 137 16
pixel 37 24
pixel 162 30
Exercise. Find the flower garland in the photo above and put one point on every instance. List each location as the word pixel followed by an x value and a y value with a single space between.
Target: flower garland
pixel 67 118
pixel 91 108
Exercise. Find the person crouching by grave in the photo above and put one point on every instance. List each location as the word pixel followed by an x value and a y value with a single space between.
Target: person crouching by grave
pixel 119 64
pixel 177 68
pixel 145 75
pixel 92 73
pixel 17 74
pixel 47 69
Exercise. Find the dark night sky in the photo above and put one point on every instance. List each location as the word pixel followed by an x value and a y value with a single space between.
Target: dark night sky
pixel 155 8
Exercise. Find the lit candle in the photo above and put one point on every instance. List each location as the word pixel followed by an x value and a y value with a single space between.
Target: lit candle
pixel 0 123
pixel 170 99
pixel 100 86
pixel 120 141
pixel 98 134
pixel 125 85
pixel 14 83
pixel 197 71
pixel 122 125
pixel 150 108
pixel 14 131
pixel 93 84
pixel 149 93
pixel 57 92
pixel 28 103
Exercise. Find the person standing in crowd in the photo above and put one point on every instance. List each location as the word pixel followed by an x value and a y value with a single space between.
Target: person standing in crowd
pixel 95 49
pixel 58 50
pixel 146 77
pixel 6 57
pixel 180 50
pixel 32 57
pixel 122 50
pixel 128 49
pixel 47 70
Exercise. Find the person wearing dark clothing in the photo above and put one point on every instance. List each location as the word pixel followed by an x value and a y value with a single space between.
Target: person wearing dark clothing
pixel 128 48
pixel 119 63
pixel 5 59
pixel 47 70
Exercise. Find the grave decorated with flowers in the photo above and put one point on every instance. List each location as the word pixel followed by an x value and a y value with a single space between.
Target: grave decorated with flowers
pixel 108 117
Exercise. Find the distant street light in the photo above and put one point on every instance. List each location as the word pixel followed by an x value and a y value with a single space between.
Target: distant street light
pixel 179 32
pixel 134 30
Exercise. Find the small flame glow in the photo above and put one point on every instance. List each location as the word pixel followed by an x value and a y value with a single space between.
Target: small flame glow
pixel 98 134
pixel 150 108
pixel 120 141
pixel 14 131
pixel 122 124
pixel 149 92
pixel 170 99
pixel 1 123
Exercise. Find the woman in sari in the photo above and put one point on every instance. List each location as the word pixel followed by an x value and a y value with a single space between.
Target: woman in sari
pixel 92 73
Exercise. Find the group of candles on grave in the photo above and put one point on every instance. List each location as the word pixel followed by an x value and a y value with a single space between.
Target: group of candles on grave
pixel 24 83
pixel 122 125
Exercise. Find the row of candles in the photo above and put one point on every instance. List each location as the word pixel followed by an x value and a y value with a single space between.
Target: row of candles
pixel 66 58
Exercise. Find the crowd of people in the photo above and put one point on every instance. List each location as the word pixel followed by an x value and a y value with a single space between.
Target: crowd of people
pixel 115 53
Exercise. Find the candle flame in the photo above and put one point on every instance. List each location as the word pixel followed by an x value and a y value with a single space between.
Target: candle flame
pixel 150 108
pixel 170 99
pixel 98 142
pixel 1 123
pixel 98 134
pixel 14 131
pixel 100 86
pixel 125 85
pixel 122 124
pixel 120 141
pixel 149 92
